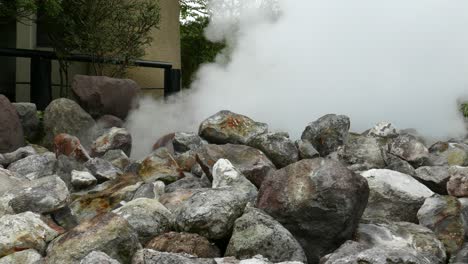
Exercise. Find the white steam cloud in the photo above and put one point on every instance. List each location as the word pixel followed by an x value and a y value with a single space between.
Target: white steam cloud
pixel 403 61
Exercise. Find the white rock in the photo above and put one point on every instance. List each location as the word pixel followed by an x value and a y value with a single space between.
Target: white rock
pixel 383 129
pixel 35 166
pixel 29 256
pixel 82 179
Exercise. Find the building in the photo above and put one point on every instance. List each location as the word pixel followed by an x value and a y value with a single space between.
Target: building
pixel 15 72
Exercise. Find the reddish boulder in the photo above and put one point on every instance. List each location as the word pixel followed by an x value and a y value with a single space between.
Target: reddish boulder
pixel 101 95
pixel 70 146
pixel 11 130
pixel 187 243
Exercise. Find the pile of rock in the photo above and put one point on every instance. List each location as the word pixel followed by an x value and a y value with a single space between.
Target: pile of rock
pixel 231 193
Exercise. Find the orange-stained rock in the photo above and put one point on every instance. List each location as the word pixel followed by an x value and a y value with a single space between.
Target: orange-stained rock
pixel 70 146
pixel 188 243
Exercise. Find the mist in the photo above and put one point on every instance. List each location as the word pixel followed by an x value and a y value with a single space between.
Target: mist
pixel 400 61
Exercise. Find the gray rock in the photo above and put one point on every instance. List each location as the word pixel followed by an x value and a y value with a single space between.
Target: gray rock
pixel 363 153
pixel 9 180
pixel 277 147
pixel 394 196
pixel 160 166
pixel 43 195
pixel 65 166
pixel 108 233
pixel 113 139
pixel 333 197
pixel 28 256
pixel 97 257
pixel 448 153
pixel 228 127
pixel 151 190
pixel 149 256
pixel 464 213
pixel 188 182
pixel 397 164
pixel 187 243
pixel 461 257
pixel 251 162
pixel 258 233
pixel 434 177
pixel 118 158
pixel 458 183
pixel 442 215
pixel 226 175
pixel 148 217
pixel 211 213
pixel 306 150
pixel 184 142
pixel 35 166
pixel 384 130
pixel 27 113
pixel 21 153
pixel 327 133
pixel 82 179
pixel 176 199
pixel 24 231
pixel 410 149
pixel 11 131
pixel 65 116
pixel 102 169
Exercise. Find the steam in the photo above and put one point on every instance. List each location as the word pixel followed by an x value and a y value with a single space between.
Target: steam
pixel 400 61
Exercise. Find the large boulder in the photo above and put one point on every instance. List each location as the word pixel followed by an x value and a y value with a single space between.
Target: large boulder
pixel 327 133
pixel 27 113
pixel 148 217
pixel 35 166
pixel 394 196
pixel 281 150
pixel 29 256
pixel 101 95
pixel 390 242
pixel 11 131
pixel 258 233
pixel 43 195
pixel 66 116
pixel 409 148
pixel 24 231
pixel 442 214
pixel 9 180
pixel 333 197
pixel 108 233
pixel 251 162
pixel 211 213
pixel 363 153
pixel 228 127
pixel 434 177
pixel 113 139
pixel 187 243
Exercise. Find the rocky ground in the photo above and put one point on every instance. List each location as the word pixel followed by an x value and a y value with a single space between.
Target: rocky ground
pixel 231 193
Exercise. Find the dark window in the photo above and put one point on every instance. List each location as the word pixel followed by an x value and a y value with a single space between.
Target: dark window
pixel 42 38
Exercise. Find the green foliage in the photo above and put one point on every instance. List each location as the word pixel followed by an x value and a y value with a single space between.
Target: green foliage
pixel 464 109
pixel 23 10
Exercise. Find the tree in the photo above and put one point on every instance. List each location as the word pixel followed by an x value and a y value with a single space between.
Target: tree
pixel 24 10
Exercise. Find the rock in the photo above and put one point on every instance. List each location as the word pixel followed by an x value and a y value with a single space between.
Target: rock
pixel 149 256
pixel 384 130
pixel 434 177
pixel 35 166
pixel 65 166
pixel 306 150
pixel 251 162
pixel 43 195
pixel 27 113
pixel 82 180
pixel 210 213
pixel 70 146
pixel 113 139
pixel 464 213
pixel 28 256
pixel 21 153
pixel 277 147
pixel 101 95
pixel 102 169
pixel 118 158
pixel 334 196
pixel 152 190
pixel 9 180
pixel 187 243
pixel 65 116
pixel 97 257
pixel 327 133
pixel 187 160
pixel 462 256
pixel 228 127
pixel 363 153
pixel 108 233
pixel 188 182
pixel 160 165
pixel 104 197
pixel 109 121
pixel 148 217
pixel 24 231
pixel 174 200
pixel 410 149
pixel 226 175
pixel 397 164
pixel 184 142
pixel 394 196
pixel 442 214
pixel 11 131
pixel 447 153
pixel 390 242
pixel 258 233
pixel 458 183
